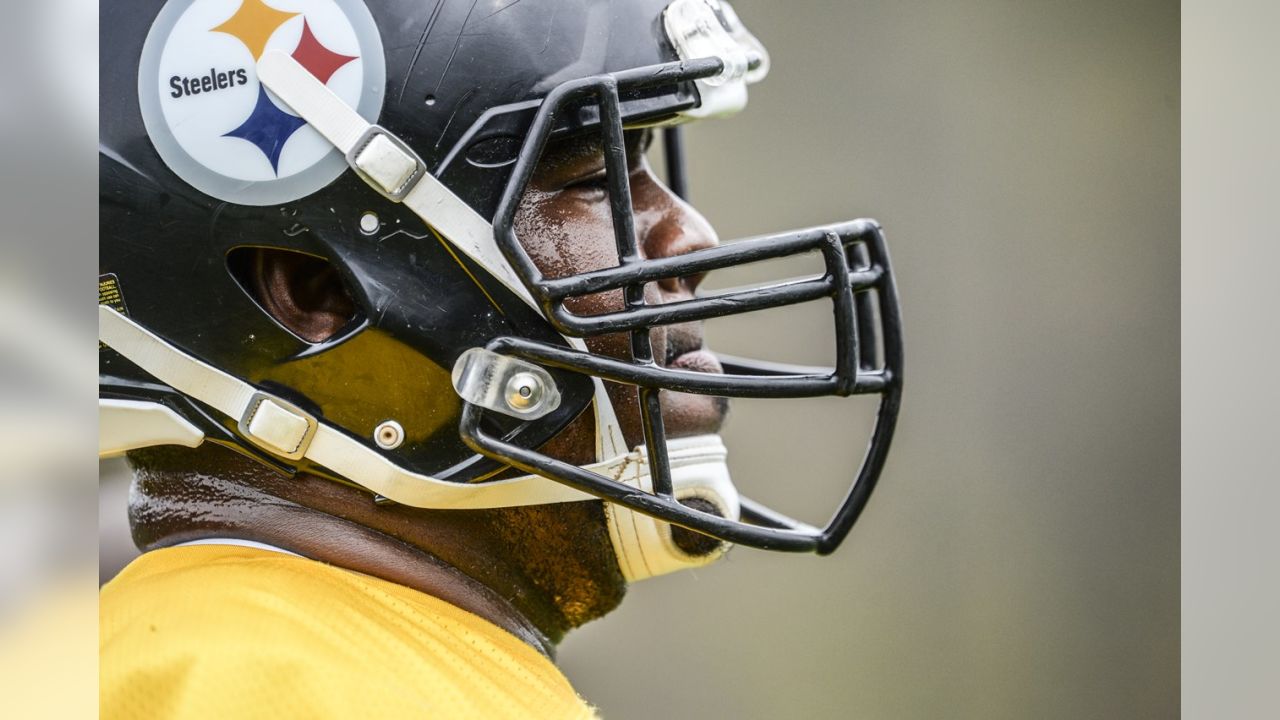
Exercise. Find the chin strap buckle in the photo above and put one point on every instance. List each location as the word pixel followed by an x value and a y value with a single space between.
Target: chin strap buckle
pixel 386 163
pixel 278 427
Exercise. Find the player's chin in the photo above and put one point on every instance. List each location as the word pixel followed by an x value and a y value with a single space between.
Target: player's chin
pixel 684 414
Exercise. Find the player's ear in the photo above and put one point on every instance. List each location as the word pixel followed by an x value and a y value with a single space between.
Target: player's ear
pixel 302 292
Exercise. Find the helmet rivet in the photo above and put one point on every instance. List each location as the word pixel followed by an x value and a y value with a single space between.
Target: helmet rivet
pixel 524 391
pixel 369 223
pixel 389 435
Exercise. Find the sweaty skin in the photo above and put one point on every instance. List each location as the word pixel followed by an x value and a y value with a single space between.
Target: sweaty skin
pixel 535 571
pixel 565 225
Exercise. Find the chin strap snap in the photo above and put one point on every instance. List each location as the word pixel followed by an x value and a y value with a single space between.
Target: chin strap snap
pixel 278 427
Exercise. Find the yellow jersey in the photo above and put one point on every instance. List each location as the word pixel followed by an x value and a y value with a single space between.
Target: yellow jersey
pixel 221 631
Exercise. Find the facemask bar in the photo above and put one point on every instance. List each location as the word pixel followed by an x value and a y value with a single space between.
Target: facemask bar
pixel 673 153
pixel 856 264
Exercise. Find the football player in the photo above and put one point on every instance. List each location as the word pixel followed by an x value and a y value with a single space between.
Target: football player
pixel 402 335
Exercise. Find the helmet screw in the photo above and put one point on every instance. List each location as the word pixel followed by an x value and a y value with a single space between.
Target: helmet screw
pixel 369 223
pixel 524 391
pixel 389 435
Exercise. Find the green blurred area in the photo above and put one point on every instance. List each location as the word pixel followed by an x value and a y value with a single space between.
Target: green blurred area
pixel 1020 559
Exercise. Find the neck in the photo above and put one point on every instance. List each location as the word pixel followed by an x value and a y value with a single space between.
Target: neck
pixel 535 572
pixel 336 541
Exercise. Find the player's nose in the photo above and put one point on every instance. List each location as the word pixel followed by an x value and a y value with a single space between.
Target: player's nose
pixel 668 227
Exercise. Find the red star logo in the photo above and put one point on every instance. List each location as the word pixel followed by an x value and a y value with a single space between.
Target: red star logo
pixel 316 58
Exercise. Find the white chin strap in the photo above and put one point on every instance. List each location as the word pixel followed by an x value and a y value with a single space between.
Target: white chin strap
pixel 643 545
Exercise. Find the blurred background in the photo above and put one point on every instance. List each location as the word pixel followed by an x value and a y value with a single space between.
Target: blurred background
pixel 1020 557
pixel 48 240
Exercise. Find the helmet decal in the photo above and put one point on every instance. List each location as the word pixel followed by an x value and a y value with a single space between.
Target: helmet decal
pixel 217 127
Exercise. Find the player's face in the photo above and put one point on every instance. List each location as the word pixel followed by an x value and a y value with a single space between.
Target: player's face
pixel 565 225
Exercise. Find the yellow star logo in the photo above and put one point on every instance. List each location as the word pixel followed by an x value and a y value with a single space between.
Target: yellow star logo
pixel 253 24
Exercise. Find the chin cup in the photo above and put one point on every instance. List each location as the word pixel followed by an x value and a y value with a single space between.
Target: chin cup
pixel 644 545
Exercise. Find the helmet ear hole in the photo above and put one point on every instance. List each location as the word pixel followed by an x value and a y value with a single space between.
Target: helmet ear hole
pixel 302 292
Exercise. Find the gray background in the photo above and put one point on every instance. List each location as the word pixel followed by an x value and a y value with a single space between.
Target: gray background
pixel 1020 558
pixel 1230 342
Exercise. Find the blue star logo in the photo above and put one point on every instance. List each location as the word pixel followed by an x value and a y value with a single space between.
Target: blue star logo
pixel 268 127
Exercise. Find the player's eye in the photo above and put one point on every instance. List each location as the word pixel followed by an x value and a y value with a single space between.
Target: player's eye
pixel 591 186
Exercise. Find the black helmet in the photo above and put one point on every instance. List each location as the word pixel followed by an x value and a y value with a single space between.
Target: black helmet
pixel 389 142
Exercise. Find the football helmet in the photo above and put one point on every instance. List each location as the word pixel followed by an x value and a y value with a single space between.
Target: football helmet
pixel 391 141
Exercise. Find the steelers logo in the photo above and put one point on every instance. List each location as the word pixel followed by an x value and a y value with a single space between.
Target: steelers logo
pixel 217 127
